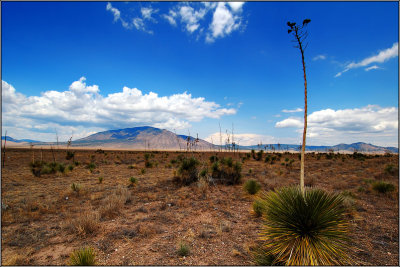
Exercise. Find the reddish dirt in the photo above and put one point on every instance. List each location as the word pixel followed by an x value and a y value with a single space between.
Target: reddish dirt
pixel 219 227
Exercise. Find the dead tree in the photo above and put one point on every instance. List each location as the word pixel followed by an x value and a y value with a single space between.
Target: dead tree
pixel 299 38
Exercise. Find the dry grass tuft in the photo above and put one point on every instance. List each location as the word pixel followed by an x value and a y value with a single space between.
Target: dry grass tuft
pixel 113 204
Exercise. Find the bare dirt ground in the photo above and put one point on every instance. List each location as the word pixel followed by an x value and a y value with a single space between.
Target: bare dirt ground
pixel 43 220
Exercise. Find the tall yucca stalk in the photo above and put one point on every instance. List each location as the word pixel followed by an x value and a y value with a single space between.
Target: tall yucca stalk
pixel 305 228
pixel 300 36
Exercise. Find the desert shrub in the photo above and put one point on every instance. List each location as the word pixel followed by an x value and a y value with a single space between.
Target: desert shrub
pixel 258 207
pixel 187 172
pixel 247 155
pixel 70 167
pixel 359 156
pixel 91 166
pixel 259 155
pixel 77 163
pixel 202 185
pixel 226 171
pixel 203 172
pixel 132 180
pixel 112 204
pixel 131 167
pixel 61 167
pixel 173 161
pixel 383 187
pixel 391 169
pixel 146 156
pixel 86 224
pixel 253 153
pixel 252 186
pixel 250 171
pixel 213 158
pixel 100 151
pixel 143 171
pixel 148 164
pixel 348 201
pixel 36 168
pixel 183 249
pixel 267 158
pixel 307 229
pixel 83 257
pixel 100 179
pixel 70 155
pixel 76 187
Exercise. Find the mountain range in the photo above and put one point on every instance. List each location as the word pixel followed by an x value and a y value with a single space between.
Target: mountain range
pixel 147 137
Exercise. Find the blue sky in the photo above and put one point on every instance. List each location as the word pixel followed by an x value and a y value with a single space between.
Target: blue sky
pixel 83 67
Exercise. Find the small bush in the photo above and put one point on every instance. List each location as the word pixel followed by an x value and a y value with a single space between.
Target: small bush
pixel 76 187
pixel 183 249
pixel 133 180
pixel 91 166
pixel 259 155
pixel 86 224
pixel 112 204
pixel 203 173
pixel 143 171
pixel 258 207
pixel 252 186
pixel 213 158
pixel 101 179
pixel 83 257
pixel 253 153
pixel 383 187
pixel 187 171
pixel 70 155
pixel 227 172
pixel 70 167
pixel 391 169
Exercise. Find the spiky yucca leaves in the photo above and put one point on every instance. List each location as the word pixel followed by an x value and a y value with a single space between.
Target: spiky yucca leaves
pixel 83 257
pixel 307 229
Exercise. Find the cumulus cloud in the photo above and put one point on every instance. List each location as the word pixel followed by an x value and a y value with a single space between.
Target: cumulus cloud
pixel 381 57
pixel 369 124
pixel 292 110
pixel 224 21
pixel 83 107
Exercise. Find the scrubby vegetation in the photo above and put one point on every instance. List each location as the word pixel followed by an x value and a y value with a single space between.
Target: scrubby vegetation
pixel 83 257
pixel 252 186
pixel 305 229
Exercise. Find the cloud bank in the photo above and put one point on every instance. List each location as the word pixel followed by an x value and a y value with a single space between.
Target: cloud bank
pixel 372 124
pixel 82 107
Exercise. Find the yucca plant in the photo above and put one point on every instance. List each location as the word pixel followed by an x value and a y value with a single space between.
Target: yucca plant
pixel 83 257
pixel 252 186
pixel 305 228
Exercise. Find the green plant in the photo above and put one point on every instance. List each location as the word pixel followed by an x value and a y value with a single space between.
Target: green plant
pixel 213 158
pixel 142 171
pixel 70 167
pixel 133 180
pixel 258 207
pixel 259 155
pixel 91 166
pixel 203 172
pixel 183 249
pixel 226 171
pixel 76 187
pixel 101 179
pixel 70 155
pixel 253 153
pixel 305 228
pixel 252 186
pixel 391 169
pixel 36 168
pixel 383 187
pixel 83 257
pixel 187 171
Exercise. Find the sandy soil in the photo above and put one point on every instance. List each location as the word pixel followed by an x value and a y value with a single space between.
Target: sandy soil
pixel 39 214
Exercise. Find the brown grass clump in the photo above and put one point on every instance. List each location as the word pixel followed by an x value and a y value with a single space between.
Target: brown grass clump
pixel 86 224
pixel 112 204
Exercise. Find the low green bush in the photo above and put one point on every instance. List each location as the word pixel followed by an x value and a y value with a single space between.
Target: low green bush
pixel 83 257
pixel 252 186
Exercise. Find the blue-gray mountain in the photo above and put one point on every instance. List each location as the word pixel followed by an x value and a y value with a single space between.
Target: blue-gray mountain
pixel 147 137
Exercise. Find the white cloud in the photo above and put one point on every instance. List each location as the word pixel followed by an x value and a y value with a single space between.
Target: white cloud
pixel 372 124
pixel 223 23
pixel 171 17
pixel 83 107
pixel 236 6
pixel 381 57
pixel 373 67
pixel 319 57
pixel 292 110
pixel 136 22
pixel 116 12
